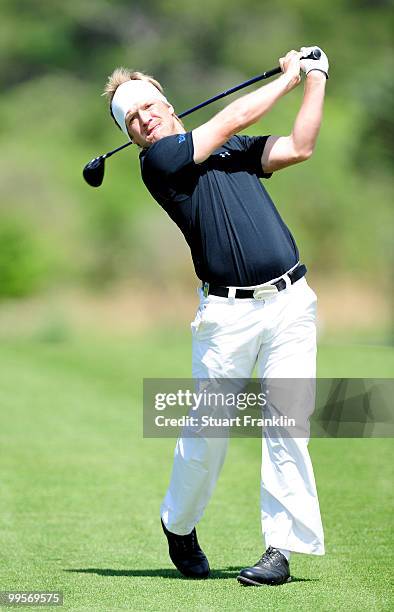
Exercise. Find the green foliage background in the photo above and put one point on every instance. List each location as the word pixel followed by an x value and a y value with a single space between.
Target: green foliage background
pixel 70 478
pixel 56 230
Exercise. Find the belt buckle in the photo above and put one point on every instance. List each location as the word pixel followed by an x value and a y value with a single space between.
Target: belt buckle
pixel 264 292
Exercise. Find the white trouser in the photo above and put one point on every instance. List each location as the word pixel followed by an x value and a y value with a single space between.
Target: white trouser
pixel 229 338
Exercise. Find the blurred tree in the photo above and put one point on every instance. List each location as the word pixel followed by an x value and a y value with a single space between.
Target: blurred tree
pixel 55 58
pixel 23 268
pixel 374 145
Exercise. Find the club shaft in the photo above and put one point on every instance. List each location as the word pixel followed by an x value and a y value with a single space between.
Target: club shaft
pixel 127 144
pixel 266 75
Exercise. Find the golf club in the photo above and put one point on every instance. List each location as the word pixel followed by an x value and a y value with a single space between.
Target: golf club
pixel 93 172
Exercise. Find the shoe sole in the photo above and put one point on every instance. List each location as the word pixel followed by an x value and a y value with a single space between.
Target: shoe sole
pixel 194 576
pixel 248 582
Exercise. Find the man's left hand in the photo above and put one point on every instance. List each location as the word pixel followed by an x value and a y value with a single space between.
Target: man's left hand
pixel 307 65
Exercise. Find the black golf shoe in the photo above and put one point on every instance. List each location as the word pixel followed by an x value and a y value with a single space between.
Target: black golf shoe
pixel 272 568
pixel 186 554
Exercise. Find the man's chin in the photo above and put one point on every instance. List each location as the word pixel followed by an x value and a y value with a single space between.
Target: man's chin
pixel 156 135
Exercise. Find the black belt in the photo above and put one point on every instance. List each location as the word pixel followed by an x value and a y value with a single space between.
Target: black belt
pixel 280 284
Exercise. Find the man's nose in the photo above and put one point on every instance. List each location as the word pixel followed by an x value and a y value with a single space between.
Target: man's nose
pixel 145 116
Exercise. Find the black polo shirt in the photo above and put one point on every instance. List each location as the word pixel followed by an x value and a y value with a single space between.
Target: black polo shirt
pixel 235 234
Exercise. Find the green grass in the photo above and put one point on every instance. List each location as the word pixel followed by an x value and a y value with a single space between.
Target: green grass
pixel 81 488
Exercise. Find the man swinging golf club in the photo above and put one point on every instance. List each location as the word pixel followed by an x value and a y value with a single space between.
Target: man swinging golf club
pixel 256 307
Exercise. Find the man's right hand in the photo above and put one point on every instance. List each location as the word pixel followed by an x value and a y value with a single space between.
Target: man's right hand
pixel 291 65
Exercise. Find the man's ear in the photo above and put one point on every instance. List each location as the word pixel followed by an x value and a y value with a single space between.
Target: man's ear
pixel 171 109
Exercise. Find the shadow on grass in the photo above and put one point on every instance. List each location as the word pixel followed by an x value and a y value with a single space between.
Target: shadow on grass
pixel 228 573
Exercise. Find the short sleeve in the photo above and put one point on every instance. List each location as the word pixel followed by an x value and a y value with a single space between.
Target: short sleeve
pixel 168 169
pixel 253 147
pixel 169 155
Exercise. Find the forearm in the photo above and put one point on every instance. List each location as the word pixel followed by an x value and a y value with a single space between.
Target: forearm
pixel 248 109
pixel 307 124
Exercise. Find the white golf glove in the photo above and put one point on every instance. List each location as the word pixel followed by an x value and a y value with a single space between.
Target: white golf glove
pixel 310 64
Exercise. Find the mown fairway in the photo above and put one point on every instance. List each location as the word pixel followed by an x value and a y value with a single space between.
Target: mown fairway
pixel 81 489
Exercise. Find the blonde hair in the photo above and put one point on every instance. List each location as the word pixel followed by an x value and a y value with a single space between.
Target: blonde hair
pixel 122 75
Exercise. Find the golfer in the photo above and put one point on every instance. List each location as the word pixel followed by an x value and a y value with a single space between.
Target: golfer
pixel 256 308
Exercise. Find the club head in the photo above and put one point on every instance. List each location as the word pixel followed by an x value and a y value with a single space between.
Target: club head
pixel 93 172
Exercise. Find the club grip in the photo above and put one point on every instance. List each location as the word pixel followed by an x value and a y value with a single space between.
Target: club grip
pixel 314 54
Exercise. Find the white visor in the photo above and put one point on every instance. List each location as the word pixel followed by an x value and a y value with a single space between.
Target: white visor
pixel 130 93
